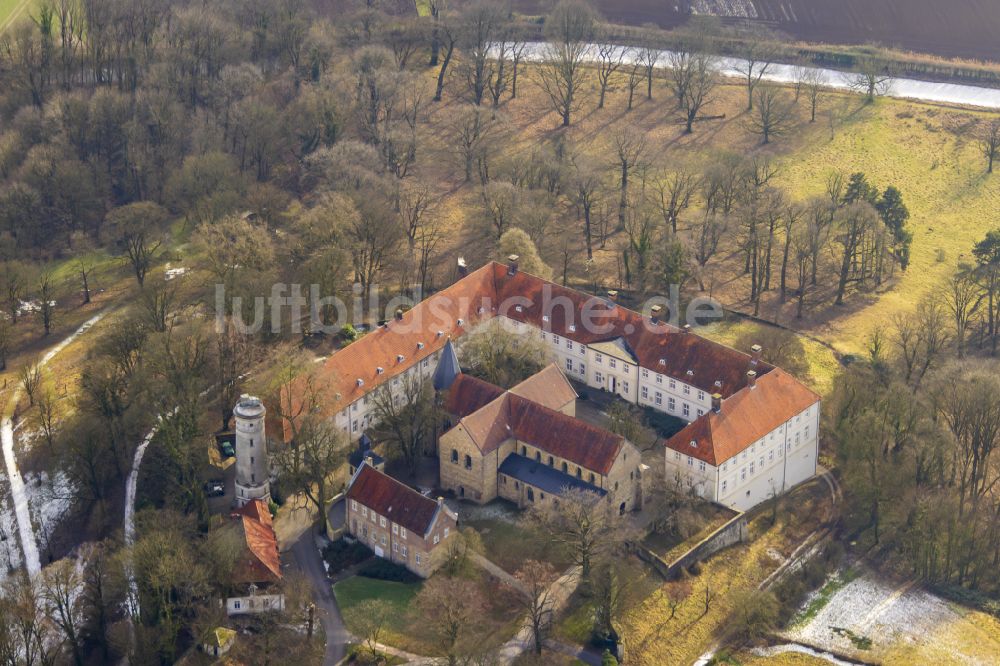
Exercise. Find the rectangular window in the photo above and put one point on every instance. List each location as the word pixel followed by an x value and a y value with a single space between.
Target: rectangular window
pixel 446 530
pixel 701 412
pixel 671 405
pixel 569 344
pixel 645 393
pixel 701 465
pixel 395 528
pixel 686 409
pixel 599 378
pixel 383 539
pixel 743 474
pixel 354 426
pixel 613 362
pixel 751 467
pixel 645 373
pixel 723 485
pixel 364 512
pixel 583 369
pixel 418 559
pixel 402 532
pixel 569 365
pixel 354 505
pixel 690 461
pixel 659 379
pixel 626 367
pixel 543 336
pixel 395 547
pixel 659 398
pixel 677 455
pixel 437 539
pixel 555 339
pixel 374 516
pixel 598 358
pixel 625 386
pixel 673 385
pixel 701 395
pixel 687 390
pixel 381 521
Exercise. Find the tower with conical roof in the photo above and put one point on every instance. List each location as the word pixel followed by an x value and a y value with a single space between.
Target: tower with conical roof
pixel 252 471
pixel 447 368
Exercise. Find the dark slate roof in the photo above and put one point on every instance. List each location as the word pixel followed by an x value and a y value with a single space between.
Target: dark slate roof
pixel 358 456
pixel 447 368
pixel 394 500
pixel 543 477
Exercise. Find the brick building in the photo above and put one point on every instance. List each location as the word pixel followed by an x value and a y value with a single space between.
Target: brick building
pixel 398 523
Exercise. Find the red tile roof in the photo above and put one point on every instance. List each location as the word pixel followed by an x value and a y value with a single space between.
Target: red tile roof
pixel 514 416
pixel 488 291
pixel 548 387
pixel 744 418
pixel 260 562
pixel 467 394
pixel 396 501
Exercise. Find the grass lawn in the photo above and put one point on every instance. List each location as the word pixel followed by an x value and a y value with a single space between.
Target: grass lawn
pixel 510 544
pixel 10 10
pixel 351 592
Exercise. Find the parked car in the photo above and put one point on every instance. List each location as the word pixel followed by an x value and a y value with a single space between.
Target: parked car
pixel 215 488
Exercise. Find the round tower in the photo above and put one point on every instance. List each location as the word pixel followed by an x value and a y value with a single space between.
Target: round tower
pixel 252 472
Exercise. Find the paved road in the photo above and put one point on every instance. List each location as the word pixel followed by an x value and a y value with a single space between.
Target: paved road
pixel 308 559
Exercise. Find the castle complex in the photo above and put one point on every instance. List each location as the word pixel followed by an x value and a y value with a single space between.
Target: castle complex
pixel 752 428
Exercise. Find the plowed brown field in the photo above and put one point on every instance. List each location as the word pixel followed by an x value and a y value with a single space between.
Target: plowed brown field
pixel 955 28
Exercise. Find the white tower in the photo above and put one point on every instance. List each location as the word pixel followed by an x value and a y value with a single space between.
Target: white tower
pixel 252 471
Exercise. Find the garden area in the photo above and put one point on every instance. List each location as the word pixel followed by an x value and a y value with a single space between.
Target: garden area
pixel 509 539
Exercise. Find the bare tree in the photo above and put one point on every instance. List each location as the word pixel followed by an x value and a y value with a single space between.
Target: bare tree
pixel 811 81
pixel 448 33
pixel 535 581
pixel 452 609
pixel 60 585
pixel 318 450
pixel 629 145
pixel 609 61
pixel 587 190
pixel 404 418
pixel 29 376
pixel 633 79
pixel 674 191
pixel 585 523
pixel 963 298
pixel 483 24
pixel 920 338
pixel 46 300
pixel 373 616
pixel 872 77
pixel 756 55
pixel 500 200
pixel 569 30
pixel 699 83
pixel 773 113
pixel 649 56
pixel 989 142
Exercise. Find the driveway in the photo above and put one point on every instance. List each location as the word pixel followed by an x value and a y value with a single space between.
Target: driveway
pixel 311 565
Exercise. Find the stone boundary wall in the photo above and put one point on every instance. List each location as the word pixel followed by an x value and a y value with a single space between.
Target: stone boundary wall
pixel 732 532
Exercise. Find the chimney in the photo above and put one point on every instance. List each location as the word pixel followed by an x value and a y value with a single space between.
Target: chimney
pixel 512 264
pixel 654 314
pixel 440 501
pixel 716 402
pixel 755 353
pixel 751 379
pixel 612 296
pixel 463 270
pixel 399 314
pixel 687 328
pixel 370 460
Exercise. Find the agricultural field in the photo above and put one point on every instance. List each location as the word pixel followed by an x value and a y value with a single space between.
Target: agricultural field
pixel 11 10
pixel 957 28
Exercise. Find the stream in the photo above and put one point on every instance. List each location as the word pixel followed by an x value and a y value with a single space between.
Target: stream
pixel 903 88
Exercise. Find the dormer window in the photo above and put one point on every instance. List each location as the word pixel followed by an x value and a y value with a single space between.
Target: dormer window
pixel 361 382
pixel 572 328
pixel 663 361
pixel 400 358
pixel 518 308
pixel 694 444
pixel 690 373
pixel 420 345
pixel 379 370
pixel 440 333
pixel 460 322
pixel 480 310
pixel 545 317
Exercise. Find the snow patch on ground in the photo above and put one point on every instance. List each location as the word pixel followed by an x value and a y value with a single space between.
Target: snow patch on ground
pixel 49 500
pixel 10 547
pixel 887 614
pixel 171 273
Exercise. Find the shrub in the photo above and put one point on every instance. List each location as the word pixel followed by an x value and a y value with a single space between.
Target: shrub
pixel 340 554
pixel 385 570
pixel 349 333
pixel 608 659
